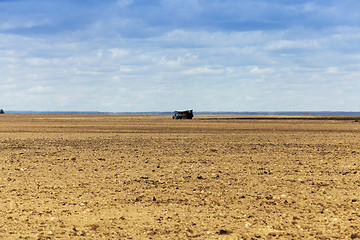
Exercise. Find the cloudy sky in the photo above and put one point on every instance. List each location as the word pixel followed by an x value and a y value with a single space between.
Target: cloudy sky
pixel 165 55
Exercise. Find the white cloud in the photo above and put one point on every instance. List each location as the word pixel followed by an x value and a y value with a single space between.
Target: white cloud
pixel 40 89
pixel 118 52
pixel 292 44
pixel 18 23
pixel 250 98
pixel 124 3
pixel 332 70
pixel 257 70
pixel 40 62
pixel 4 87
pixel 82 72
pixel 181 60
pixel 203 70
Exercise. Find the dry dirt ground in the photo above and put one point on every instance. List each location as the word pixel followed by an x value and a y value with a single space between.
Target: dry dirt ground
pixel 151 177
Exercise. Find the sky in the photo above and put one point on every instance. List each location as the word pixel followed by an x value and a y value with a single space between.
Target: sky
pixel 166 55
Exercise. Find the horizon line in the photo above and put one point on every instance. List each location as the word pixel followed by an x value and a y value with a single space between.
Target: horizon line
pixel 295 112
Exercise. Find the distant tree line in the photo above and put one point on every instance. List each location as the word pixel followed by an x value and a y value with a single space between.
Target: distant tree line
pixel 2 111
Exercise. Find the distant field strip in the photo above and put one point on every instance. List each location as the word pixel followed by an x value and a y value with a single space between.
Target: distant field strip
pixel 341 118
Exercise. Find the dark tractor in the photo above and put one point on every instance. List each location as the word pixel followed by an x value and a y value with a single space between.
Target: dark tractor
pixel 188 114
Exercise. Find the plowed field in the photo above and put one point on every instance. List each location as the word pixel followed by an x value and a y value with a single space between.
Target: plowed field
pixel 151 177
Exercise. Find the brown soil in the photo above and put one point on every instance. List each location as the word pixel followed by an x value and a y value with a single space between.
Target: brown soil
pixel 151 177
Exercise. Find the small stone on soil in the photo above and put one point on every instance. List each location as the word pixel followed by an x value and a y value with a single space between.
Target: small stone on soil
pixel 223 232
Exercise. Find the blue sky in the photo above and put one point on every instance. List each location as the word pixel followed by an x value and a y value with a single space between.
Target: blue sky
pixel 165 55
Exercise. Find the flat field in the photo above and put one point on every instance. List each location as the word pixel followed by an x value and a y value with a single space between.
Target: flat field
pixel 151 177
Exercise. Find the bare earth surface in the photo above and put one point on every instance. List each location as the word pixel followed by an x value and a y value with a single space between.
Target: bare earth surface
pixel 151 177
